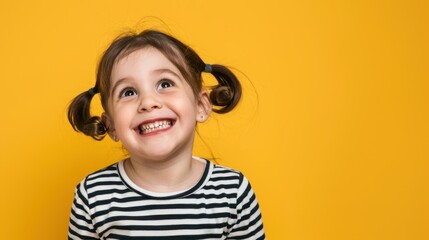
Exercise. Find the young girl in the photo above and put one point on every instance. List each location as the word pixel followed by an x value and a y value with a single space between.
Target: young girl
pixel 151 91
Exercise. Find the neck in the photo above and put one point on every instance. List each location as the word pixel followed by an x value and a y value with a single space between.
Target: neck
pixel 171 175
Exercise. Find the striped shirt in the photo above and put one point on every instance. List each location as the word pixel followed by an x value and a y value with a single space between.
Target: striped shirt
pixel 222 205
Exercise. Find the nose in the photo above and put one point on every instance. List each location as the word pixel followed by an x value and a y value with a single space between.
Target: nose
pixel 149 102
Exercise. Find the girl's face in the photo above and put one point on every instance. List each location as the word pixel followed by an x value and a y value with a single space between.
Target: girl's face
pixel 152 109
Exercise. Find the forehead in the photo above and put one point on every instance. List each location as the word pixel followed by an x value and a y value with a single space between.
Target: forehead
pixel 141 62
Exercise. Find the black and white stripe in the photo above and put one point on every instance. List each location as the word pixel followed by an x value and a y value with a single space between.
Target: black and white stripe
pixel 222 205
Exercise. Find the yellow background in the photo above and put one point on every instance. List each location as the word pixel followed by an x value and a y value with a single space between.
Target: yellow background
pixel 337 148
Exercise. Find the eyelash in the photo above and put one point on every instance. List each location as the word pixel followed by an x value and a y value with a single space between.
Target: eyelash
pixel 123 93
pixel 163 81
pixel 126 90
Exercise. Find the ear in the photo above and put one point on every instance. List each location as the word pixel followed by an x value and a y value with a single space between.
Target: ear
pixel 110 126
pixel 204 107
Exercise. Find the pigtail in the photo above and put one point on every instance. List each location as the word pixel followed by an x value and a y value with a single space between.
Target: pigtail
pixel 80 117
pixel 227 93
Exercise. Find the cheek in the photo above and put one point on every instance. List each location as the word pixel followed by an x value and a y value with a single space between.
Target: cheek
pixel 187 104
pixel 122 115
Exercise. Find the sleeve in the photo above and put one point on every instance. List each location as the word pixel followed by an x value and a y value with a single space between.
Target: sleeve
pixel 249 220
pixel 81 226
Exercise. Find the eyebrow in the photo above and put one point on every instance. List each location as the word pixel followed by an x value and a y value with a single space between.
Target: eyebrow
pixel 156 71
pixel 166 70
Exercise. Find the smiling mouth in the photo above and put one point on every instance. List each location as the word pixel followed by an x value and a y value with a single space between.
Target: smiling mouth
pixel 154 126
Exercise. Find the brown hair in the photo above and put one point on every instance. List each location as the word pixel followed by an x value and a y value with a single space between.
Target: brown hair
pixel 225 95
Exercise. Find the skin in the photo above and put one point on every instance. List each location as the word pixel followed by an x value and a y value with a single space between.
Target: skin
pixel 148 89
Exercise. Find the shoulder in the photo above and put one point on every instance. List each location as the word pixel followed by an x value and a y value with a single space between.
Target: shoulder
pixel 109 171
pixel 99 177
pixel 224 174
pixel 242 184
pixel 229 178
pixel 219 170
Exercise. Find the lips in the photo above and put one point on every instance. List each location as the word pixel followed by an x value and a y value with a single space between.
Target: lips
pixel 158 125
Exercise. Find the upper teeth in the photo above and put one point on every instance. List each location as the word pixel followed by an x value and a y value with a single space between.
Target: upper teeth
pixel 145 128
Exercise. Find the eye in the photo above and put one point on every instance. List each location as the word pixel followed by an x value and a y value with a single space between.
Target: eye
pixel 127 92
pixel 165 83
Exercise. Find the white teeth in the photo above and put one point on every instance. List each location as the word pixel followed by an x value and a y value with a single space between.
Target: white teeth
pixel 147 128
